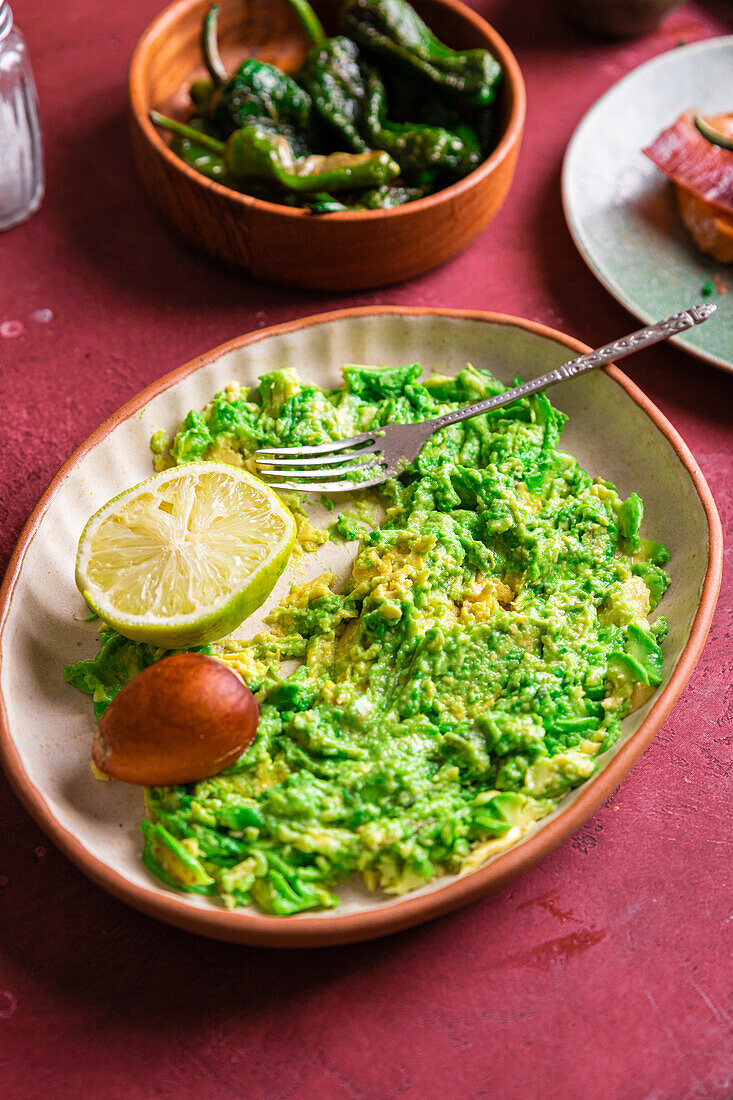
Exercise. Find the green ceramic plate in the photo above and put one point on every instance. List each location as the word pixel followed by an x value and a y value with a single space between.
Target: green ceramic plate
pixel 620 209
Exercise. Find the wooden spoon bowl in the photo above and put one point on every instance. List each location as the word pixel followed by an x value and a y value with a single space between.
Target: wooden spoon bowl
pixel 344 251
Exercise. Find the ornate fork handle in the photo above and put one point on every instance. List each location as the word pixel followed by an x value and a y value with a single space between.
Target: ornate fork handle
pixel 385 452
pixel 644 337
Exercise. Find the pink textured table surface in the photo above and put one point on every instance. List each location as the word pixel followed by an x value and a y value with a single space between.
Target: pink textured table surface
pixel 602 972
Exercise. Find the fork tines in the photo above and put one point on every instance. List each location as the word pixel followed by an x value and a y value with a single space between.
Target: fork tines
pixel 325 461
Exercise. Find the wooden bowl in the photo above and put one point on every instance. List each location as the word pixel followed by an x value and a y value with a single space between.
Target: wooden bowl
pixel 345 251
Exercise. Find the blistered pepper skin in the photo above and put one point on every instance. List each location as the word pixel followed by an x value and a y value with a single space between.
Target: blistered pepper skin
pixel 392 31
pixel 422 151
pixel 253 153
pixel 259 93
pixel 332 75
pixel 256 93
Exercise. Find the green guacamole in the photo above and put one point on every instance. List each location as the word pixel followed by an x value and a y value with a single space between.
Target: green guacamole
pixel 492 635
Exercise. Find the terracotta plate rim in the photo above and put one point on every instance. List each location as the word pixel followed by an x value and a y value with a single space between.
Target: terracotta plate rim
pixel 297 931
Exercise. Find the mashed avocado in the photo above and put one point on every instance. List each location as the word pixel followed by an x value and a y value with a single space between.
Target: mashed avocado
pixel 492 635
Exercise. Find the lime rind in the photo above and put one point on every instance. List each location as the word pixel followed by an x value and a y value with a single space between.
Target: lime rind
pixel 200 624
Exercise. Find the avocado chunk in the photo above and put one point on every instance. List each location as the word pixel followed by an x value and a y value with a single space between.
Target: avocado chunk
pixel 167 859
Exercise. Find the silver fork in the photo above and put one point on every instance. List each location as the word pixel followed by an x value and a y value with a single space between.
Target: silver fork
pixel 385 452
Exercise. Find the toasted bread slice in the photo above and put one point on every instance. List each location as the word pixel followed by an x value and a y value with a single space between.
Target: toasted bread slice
pixel 711 230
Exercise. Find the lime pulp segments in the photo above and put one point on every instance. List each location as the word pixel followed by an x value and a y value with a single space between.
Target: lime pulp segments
pixel 184 557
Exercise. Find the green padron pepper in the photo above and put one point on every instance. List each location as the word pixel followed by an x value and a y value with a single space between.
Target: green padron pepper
pixel 393 31
pixel 422 151
pixel 323 203
pixel 389 195
pixel 433 110
pixel 204 161
pixel 253 153
pixel 345 171
pixel 331 74
pixel 208 164
pixel 260 94
pixel 257 93
pixel 374 198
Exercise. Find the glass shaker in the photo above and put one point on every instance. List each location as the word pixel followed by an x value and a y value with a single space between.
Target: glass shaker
pixel 21 153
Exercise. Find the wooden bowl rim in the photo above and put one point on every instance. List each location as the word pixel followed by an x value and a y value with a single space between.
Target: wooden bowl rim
pixel 299 931
pixel 512 76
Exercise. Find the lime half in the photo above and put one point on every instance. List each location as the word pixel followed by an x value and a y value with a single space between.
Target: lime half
pixel 184 557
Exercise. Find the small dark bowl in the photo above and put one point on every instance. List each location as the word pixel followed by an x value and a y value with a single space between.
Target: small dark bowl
pixel 620 18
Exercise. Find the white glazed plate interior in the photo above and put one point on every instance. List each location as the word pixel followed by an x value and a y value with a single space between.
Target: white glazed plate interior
pixel 621 210
pixel 51 724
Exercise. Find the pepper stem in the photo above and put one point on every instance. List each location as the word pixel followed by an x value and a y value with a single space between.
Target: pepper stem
pixel 210 47
pixel 311 23
pixel 196 136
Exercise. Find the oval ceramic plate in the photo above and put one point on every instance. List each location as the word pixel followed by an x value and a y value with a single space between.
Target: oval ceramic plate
pixel 46 726
pixel 621 210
